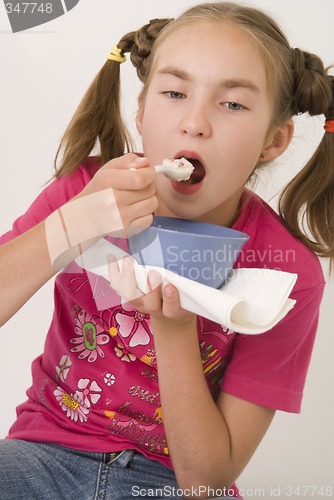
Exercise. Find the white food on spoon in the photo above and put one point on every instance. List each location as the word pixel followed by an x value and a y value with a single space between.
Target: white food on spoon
pixel 177 170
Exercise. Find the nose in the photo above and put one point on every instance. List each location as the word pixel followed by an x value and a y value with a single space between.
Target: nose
pixel 196 121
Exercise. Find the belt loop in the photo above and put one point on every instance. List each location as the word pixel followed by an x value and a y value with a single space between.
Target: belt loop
pixel 123 457
pixel 109 457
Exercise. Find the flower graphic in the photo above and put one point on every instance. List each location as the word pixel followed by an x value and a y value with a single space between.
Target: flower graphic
pixel 64 367
pixel 109 379
pixel 90 336
pixel 124 354
pixel 133 323
pixel 77 405
pixel 72 405
pixel 89 393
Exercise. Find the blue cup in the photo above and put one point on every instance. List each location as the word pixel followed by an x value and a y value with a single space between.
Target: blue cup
pixel 198 251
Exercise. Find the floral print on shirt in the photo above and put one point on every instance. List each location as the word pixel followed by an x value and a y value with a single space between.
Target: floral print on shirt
pixel 77 405
pixel 63 369
pixel 90 336
pixel 133 324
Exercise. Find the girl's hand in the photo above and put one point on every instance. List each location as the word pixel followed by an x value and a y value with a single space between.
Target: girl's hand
pixel 118 198
pixel 162 304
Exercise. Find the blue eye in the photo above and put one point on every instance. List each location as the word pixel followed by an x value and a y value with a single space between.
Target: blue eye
pixel 233 106
pixel 173 94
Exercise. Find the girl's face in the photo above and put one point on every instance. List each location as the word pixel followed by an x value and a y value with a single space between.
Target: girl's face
pixel 207 100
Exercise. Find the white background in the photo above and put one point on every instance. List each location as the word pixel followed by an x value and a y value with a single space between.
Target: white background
pixel 44 73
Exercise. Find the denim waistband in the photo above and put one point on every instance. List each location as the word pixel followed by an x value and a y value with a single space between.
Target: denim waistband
pixel 123 458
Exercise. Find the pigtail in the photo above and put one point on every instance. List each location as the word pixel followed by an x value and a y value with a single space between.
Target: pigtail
pixel 142 42
pixel 307 203
pixel 98 117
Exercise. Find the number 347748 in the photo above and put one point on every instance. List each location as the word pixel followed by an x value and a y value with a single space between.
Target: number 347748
pixel 29 7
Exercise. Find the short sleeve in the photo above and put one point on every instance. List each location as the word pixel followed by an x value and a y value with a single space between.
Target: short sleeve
pixel 56 194
pixel 270 369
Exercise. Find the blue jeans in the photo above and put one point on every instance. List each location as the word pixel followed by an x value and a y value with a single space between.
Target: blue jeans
pixel 38 471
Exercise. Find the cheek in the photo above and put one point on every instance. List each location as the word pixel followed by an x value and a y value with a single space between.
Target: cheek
pixel 150 125
pixel 160 183
pixel 252 144
pixel 154 116
pixel 153 137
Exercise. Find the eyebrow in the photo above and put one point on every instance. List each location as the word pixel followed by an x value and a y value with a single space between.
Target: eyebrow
pixel 230 83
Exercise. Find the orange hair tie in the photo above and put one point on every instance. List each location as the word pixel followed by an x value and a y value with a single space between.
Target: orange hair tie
pixel 329 126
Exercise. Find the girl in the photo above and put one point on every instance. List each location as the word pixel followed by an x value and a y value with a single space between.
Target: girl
pixel 143 398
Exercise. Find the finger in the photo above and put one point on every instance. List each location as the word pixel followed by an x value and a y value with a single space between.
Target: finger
pixel 131 196
pixel 141 209
pixel 129 282
pixel 135 169
pixel 135 218
pixel 139 162
pixel 154 280
pixel 153 299
pixel 125 179
pixel 113 271
pixel 138 225
pixel 171 303
pixel 123 281
pixel 126 161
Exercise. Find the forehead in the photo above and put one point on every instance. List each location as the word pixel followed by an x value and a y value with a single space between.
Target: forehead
pixel 211 46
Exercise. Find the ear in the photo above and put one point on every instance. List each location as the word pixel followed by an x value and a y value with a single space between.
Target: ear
pixel 140 112
pixel 277 141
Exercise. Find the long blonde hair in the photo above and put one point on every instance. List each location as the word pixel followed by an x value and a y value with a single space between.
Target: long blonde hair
pixel 298 81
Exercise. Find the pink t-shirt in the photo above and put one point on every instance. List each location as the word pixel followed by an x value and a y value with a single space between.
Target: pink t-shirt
pixel 95 387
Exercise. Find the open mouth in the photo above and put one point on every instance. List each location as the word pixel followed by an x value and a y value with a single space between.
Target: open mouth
pixel 198 173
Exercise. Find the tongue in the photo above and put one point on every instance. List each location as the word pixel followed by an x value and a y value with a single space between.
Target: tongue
pixel 198 172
